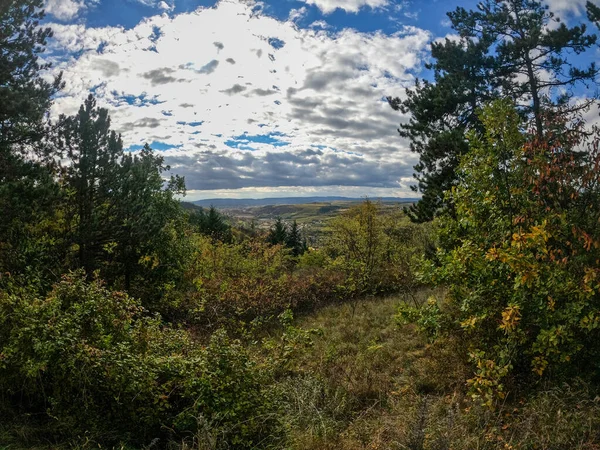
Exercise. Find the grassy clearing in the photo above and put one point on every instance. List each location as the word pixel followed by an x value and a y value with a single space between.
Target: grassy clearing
pixel 367 383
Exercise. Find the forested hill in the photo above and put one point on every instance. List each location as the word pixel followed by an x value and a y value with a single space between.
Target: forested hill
pixel 240 202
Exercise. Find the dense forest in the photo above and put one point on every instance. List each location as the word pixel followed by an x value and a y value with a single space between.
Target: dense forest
pixel 469 320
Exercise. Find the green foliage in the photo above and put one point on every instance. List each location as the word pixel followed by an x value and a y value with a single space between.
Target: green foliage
pixel 278 233
pixel 289 236
pixel 213 224
pixel 124 218
pixel 90 358
pixel 429 317
pixel 101 367
pixel 232 406
pixel 27 173
pixel 374 251
pixel 294 240
pixel 506 49
pixel 25 97
pixel 593 12
pixel 520 257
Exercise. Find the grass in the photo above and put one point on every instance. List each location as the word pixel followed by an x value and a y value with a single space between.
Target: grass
pixel 368 383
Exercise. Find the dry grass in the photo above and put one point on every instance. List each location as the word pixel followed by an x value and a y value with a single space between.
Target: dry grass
pixel 369 384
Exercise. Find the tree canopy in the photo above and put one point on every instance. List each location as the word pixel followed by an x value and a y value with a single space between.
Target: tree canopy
pixel 517 49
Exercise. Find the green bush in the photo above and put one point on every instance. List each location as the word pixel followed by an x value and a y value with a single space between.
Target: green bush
pixel 89 357
pixel 96 365
pixel 232 405
pixel 375 251
pixel 520 256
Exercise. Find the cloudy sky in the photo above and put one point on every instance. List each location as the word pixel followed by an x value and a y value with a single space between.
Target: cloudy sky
pixel 250 98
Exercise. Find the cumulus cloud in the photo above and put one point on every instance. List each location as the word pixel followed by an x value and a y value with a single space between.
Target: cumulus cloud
pixel 65 10
pixel 297 14
pixel 353 6
pixel 290 107
pixel 575 7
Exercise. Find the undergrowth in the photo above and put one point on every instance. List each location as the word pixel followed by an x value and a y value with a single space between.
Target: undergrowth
pixel 364 382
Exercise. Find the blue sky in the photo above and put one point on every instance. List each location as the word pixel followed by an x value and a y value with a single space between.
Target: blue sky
pixel 249 98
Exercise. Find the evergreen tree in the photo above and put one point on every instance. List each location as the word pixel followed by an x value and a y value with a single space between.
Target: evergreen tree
pixel 531 64
pixel 213 224
pixel 27 187
pixel 505 48
pixel 593 12
pixel 278 234
pixel 294 240
pixel 94 153
pixel 146 216
pixel 124 218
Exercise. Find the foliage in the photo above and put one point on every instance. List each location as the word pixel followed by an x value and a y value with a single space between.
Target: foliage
pixel 26 96
pixel 593 12
pixel 231 405
pixel 102 368
pixel 288 235
pixel 27 183
pixel 213 224
pixel 520 259
pixel 122 217
pixel 374 251
pixel 90 358
pixel 515 49
pixel 278 233
pixel 294 240
pixel 248 280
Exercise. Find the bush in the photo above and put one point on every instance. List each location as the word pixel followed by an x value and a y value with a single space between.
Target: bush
pixel 89 357
pixel 375 251
pixel 249 280
pixel 521 255
pixel 96 365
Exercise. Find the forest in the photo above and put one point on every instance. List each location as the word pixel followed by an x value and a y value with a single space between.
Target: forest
pixel 469 320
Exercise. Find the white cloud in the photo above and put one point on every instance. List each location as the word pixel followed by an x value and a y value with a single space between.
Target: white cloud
pixel 329 6
pixel 297 14
pixel 574 7
pixel 247 101
pixel 165 6
pixel 320 24
pixel 65 10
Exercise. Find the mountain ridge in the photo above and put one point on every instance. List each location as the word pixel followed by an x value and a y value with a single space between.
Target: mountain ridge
pixel 237 202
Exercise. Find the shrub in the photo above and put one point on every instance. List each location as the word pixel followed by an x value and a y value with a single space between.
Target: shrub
pixel 248 280
pixel 94 364
pixel 89 357
pixel 375 251
pixel 521 255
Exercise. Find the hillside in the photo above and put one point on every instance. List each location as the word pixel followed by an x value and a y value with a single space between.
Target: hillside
pixel 225 203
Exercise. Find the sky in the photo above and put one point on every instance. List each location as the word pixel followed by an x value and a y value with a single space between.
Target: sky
pixel 255 99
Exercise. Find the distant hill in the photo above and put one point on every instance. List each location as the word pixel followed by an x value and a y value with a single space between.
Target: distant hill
pixel 248 202
pixel 190 206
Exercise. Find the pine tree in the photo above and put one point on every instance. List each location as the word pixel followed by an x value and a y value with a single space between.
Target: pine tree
pixel 94 152
pixel 213 224
pixel 25 97
pixel 278 234
pixel 505 48
pixel 531 64
pixel 145 209
pixel 593 12
pixel 27 187
pixel 294 240
pixel 124 217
